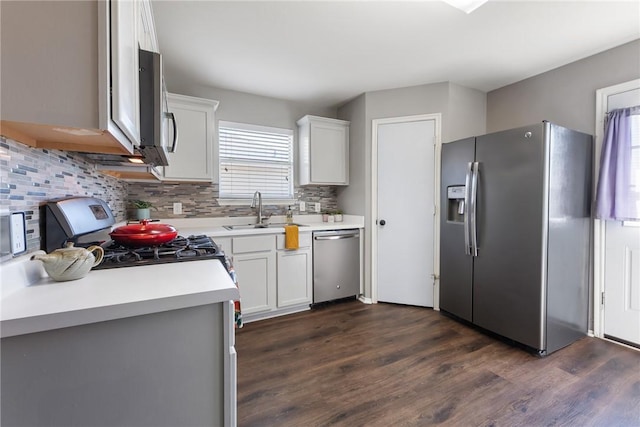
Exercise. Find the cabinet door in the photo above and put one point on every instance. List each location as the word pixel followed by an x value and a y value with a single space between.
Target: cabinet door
pixel 146 29
pixel 125 104
pixel 329 153
pixel 294 277
pixel 194 156
pixel 256 280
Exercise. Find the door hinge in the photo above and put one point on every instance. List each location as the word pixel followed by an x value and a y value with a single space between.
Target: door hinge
pixel 435 209
pixel 602 298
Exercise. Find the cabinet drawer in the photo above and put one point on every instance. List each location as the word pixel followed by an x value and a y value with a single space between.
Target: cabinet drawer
pixel 304 240
pixel 253 244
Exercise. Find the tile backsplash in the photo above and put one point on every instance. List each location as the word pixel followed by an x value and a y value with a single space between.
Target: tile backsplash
pixel 200 200
pixel 29 177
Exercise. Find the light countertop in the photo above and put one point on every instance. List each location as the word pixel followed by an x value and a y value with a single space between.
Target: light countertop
pixel 33 302
pixel 214 227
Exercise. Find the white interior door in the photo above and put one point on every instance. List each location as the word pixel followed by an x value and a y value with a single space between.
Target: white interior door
pixel 406 206
pixel 622 260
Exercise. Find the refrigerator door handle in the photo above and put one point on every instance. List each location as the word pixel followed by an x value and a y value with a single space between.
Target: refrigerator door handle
pixel 473 210
pixel 467 203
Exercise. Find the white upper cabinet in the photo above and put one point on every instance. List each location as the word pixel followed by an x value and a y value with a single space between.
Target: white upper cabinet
pixel 147 36
pixel 195 156
pixel 323 155
pixel 70 82
pixel 125 107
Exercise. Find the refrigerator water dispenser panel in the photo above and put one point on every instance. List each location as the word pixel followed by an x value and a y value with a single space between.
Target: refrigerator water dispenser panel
pixel 455 203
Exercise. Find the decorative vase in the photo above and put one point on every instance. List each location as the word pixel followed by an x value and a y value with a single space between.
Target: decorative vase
pixel 143 213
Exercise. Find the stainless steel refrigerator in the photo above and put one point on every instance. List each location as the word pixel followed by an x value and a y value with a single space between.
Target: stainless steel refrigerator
pixel 515 233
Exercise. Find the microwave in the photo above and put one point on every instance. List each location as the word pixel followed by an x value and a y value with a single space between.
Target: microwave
pixel 157 124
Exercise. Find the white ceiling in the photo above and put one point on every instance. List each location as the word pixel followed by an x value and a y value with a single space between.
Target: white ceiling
pixel 327 52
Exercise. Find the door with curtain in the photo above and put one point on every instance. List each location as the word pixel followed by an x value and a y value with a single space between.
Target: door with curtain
pixel 406 207
pixel 621 288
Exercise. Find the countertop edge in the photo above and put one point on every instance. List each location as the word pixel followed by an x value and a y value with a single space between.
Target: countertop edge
pixel 41 304
pixel 47 322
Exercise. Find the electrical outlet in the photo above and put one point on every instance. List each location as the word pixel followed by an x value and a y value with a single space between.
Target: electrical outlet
pixel 177 208
pixel 303 206
pixel 317 207
pixel 18 233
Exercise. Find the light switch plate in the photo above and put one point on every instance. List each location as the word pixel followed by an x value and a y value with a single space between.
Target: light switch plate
pixel 177 208
pixel 303 206
pixel 18 233
pixel 317 207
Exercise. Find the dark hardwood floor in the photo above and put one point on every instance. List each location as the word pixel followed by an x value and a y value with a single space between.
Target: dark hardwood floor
pixel 353 364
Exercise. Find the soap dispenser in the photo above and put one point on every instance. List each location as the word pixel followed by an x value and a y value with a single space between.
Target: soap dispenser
pixel 289 219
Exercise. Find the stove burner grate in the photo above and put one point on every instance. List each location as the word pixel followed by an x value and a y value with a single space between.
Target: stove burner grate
pixel 180 249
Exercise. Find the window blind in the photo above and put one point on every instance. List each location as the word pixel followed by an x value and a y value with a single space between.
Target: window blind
pixel 255 158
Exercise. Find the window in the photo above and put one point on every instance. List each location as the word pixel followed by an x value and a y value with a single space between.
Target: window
pixel 255 158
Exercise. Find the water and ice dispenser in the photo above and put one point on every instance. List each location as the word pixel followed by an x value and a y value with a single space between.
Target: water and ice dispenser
pixel 455 203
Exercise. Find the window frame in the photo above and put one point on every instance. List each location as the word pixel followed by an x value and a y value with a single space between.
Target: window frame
pixel 236 201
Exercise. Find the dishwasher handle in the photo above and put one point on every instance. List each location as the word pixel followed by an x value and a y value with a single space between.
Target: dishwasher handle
pixel 336 237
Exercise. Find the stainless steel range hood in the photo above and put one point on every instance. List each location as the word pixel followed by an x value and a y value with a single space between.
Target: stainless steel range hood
pixel 121 168
pixel 133 173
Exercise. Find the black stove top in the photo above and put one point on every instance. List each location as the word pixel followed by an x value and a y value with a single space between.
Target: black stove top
pixel 191 248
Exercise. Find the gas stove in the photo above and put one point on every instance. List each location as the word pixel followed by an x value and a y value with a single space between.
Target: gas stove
pixel 87 221
pixel 191 248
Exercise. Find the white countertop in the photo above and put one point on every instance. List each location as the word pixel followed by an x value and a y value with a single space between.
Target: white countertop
pixel 44 304
pixel 33 302
pixel 214 227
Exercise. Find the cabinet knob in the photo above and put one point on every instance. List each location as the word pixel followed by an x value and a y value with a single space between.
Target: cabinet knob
pixel 383 222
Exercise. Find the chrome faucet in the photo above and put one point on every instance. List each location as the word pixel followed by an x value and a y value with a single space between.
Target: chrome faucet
pixel 258 195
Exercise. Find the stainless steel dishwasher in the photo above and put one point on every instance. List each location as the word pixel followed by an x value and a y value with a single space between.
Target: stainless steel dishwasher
pixel 336 264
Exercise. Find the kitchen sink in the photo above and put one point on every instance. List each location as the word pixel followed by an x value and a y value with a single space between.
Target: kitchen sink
pixel 252 226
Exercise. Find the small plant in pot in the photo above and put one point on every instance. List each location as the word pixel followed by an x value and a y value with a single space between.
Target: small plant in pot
pixel 326 215
pixel 338 215
pixel 143 209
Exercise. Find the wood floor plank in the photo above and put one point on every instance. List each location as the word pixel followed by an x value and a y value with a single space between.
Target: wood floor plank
pixel 353 364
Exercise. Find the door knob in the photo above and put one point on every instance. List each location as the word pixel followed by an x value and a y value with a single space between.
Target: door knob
pixel 383 222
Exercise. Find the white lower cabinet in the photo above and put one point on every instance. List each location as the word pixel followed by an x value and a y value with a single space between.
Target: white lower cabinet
pixel 254 259
pixel 256 280
pixel 295 273
pixel 294 277
pixel 272 280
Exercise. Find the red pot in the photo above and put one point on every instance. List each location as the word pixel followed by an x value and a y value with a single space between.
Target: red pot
pixel 144 234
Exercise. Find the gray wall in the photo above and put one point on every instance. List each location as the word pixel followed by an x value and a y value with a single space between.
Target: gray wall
pixel 463 114
pixel 565 95
pixel 467 107
pixel 350 198
pixel 248 108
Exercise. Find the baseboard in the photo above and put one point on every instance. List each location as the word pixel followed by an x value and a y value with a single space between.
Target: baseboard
pixel 365 300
